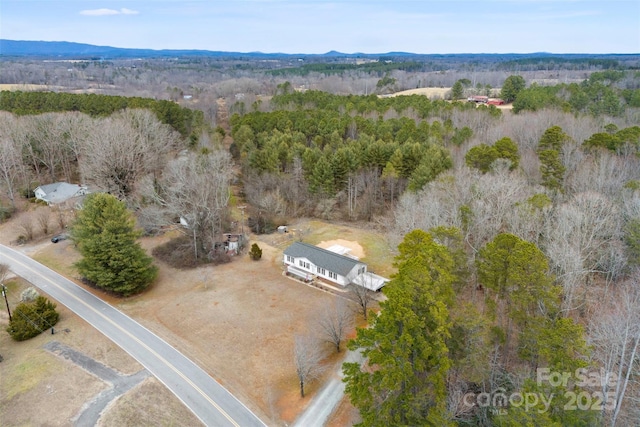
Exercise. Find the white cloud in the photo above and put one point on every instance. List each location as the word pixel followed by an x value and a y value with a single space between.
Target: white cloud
pixel 106 12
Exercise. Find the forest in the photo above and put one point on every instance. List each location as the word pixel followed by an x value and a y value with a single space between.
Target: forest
pixel 518 229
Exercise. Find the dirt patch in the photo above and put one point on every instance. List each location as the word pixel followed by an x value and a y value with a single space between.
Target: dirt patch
pixel 355 247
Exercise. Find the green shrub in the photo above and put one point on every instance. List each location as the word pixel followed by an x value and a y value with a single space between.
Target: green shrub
pixel 255 252
pixel 31 318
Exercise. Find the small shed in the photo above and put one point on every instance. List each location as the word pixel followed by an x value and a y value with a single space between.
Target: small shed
pixel 232 243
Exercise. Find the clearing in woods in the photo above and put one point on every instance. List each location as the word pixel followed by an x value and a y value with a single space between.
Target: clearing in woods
pixel 236 320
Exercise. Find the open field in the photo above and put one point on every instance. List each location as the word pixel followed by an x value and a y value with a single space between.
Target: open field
pixel 237 321
pixel 442 92
pixel 430 92
pixel 24 87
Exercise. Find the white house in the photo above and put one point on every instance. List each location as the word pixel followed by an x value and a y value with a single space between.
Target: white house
pixel 59 192
pixel 308 261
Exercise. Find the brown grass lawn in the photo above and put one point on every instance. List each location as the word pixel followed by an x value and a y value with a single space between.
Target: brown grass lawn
pixel 237 321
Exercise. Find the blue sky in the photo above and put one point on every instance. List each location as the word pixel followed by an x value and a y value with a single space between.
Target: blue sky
pixel 318 26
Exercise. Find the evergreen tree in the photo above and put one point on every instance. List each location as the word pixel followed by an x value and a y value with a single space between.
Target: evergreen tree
pixel 507 149
pixel 31 318
pixel 321 180
pixel 549 150
pixel 403 381
pixel 552 169
pixel 106 238
pixel 457 91
pixel 481 157
pixel 511 87
pixel 255 253
pixel 435 161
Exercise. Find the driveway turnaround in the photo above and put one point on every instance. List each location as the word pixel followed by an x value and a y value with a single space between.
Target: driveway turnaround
pixel 204 396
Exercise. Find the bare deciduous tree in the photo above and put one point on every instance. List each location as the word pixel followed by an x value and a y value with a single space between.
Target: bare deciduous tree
pixel 584 229
pixel 334 321
pixel 11 166
pixel 307 358
pixel 61 218
pixel 195 188
pixel 42 218
pixel 26 225
pixel 123 148
pixel 615 338
pixel 363 297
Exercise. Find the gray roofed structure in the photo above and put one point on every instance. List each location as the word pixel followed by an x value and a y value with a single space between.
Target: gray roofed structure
pixel 59 192
pixel 323 258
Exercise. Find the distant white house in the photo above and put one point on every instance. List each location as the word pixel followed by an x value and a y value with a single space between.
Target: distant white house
pixel 60 192
pixel 308 262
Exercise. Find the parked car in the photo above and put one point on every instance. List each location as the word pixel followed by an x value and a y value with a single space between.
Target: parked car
pixel 59 237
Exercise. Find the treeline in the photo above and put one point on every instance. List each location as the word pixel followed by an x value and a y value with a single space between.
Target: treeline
pixel 558 63
pixel 342 148
pixel 442 353
pixel 189 123
pixel 377 67
pixel 603 93
pixel 548 252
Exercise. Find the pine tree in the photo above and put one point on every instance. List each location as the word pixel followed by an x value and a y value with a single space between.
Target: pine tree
pixel 457 91
pixel 507 149
pixel 403 381
pixel 435 161
pixel 106 238
pixel 321 181
pixel 511 87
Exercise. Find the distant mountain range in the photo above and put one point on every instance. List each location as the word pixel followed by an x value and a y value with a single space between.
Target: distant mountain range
pixel 71 50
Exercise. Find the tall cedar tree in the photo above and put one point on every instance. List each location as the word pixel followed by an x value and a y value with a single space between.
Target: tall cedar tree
pixel 106 238
pixel 403 381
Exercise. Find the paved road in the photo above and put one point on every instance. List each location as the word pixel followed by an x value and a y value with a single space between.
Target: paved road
pixel 207 399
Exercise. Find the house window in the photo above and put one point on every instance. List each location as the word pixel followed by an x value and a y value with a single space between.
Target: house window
pixel 307 266
pixel 289 258
pixel 300 263
pixel 321 271
pixel 333 275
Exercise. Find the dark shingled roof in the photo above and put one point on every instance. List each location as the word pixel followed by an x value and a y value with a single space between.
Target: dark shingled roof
pixel 323 258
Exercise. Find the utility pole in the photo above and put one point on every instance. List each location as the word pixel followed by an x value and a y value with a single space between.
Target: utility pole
pixel 4 294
